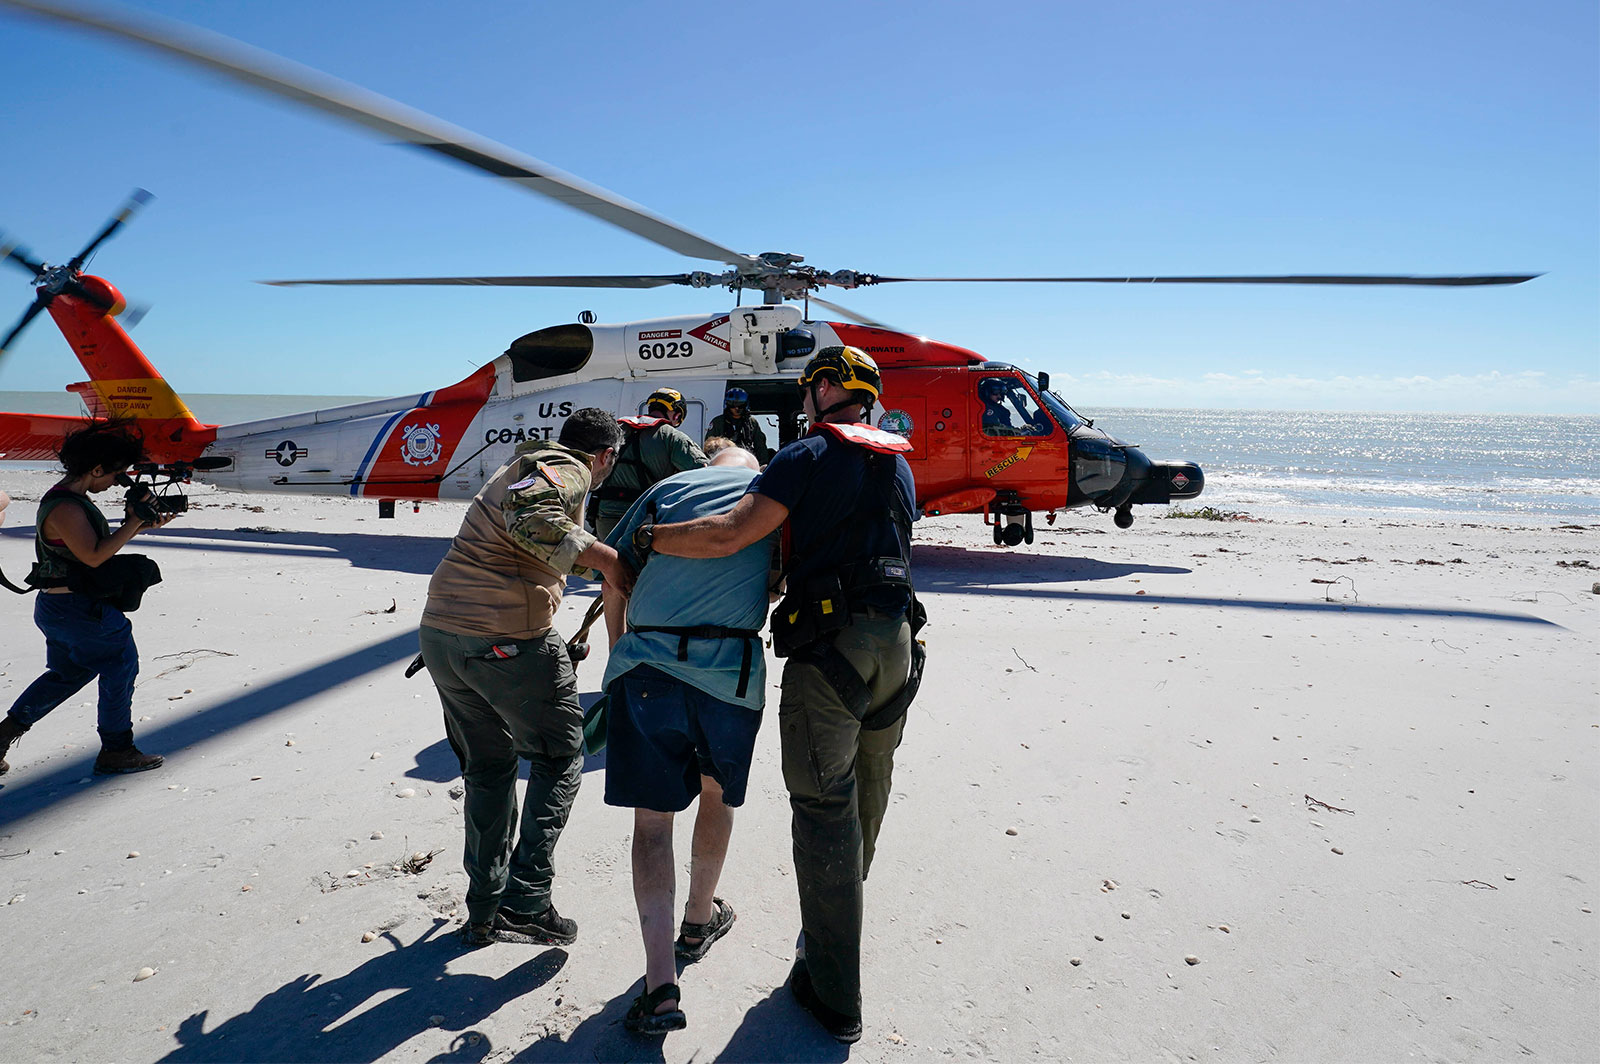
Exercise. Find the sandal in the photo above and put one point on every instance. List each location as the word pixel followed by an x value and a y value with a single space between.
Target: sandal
pixel 722 918
pixel 642 1017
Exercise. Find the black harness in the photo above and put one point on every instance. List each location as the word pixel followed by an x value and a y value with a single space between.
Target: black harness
pixel 751 637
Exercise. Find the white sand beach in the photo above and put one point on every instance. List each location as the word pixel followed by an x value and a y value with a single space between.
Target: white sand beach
pixel 1197 791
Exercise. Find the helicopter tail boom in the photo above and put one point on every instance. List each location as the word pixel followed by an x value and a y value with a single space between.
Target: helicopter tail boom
pixel 35 437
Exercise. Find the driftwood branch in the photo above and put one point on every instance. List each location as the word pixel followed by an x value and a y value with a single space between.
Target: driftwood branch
pixel 1310 801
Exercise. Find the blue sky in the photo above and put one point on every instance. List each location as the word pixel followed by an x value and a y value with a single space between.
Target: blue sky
pixel 930 138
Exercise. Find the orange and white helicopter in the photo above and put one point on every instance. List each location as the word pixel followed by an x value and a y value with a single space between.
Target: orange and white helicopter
pixel 987 437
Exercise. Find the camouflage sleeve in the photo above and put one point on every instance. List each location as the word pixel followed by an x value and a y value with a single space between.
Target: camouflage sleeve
pixel 544 514
pixel 684 453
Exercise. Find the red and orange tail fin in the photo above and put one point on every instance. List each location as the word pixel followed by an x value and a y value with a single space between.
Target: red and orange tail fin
pixel 122 383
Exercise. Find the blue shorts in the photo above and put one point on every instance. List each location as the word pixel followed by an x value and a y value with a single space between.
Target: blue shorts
pixel 663 734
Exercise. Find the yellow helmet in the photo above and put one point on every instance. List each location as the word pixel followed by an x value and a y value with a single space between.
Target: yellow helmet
pixel 669 398
pixel 849 366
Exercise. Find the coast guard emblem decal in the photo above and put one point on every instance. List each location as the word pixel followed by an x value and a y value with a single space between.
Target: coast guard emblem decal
pixel 896 421
pixel 420 444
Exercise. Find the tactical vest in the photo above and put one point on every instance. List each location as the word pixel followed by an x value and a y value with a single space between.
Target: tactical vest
pixel 807 620
pixel 631 458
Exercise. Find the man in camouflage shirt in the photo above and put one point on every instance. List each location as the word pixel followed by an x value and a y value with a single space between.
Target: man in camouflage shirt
pixel 503 674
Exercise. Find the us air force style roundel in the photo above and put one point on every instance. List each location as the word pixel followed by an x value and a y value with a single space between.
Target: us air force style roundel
pixel 286 453
pixel 421 444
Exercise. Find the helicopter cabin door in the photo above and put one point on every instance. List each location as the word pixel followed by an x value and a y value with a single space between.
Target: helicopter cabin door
pixel 1010 433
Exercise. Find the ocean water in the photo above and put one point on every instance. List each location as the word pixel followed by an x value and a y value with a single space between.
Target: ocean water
pixel 1269 463
pixel 1510 468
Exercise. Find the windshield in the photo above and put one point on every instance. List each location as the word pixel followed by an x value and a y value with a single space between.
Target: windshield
pixel 1063 413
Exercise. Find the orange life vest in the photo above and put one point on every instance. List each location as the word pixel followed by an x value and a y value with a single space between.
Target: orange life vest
pixel 863 435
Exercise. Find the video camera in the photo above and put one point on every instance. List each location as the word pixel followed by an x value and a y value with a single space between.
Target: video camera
pixel 148 503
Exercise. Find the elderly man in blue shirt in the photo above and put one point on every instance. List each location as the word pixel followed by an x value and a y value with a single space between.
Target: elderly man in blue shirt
pixel 686 682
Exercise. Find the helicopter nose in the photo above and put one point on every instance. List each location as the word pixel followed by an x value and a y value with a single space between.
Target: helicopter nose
pixel 1166 481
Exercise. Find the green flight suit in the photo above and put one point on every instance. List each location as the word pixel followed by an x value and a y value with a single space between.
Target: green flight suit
pixel 649 455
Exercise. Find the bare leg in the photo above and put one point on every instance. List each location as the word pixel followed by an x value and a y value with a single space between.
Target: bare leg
pixel 713 827
pixel 654 883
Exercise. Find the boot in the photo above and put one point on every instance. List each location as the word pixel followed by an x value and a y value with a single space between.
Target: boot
pixel 10 731
pixel 119 762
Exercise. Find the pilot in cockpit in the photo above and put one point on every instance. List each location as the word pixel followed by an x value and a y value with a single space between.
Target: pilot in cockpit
pixel 1008 410
pixel 996 418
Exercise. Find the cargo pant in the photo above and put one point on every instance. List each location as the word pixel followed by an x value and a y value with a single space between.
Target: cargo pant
pixel 497 710
pixel 838 777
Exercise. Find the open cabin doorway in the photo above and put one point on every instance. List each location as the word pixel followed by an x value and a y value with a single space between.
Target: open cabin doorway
pixel 775 405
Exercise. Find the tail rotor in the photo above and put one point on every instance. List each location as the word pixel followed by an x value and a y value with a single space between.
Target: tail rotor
pixel 51 281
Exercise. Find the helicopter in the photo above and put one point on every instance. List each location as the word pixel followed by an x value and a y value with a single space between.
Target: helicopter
pixel 987 437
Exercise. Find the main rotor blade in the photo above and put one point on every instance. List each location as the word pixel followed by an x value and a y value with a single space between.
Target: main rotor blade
pixel 138 198
pixel 309 87
pixel 575 281
pixel 15 253
pixel 845 312
pixel 1287 278
pixel 22 323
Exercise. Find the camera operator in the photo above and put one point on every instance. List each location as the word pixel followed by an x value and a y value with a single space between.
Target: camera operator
pixel 86 636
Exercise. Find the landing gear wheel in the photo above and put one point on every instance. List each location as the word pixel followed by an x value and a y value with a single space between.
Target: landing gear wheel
pixel 1013 535
pixel 998 531
pixel 1027 527
pixel 1124 517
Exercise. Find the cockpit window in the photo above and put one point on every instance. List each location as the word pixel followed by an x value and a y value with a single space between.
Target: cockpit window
pixel 550 352
pixel 1010 410
pixel 1063 413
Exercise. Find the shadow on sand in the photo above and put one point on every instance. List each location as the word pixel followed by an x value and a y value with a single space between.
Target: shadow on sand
pixel 389 552
pixel 968 570
pixel 964 571
pixel 27 793
pixel 312 1019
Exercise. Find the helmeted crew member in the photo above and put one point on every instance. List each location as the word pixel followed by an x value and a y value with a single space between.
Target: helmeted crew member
pixel 503 674
pixel 736 424
pixel 846 624
pixel 996 418
pixel 654 449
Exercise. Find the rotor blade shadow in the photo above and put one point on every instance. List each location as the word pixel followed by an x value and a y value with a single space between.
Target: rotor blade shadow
pixel 955 570
pixel 35 793
pixel 1357 608
pixel 365 550
pixel 959 570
